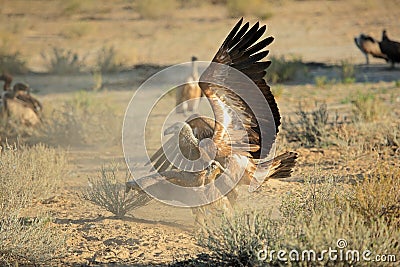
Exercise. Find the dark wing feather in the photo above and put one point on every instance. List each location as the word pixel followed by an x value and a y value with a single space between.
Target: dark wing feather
pixel 240 50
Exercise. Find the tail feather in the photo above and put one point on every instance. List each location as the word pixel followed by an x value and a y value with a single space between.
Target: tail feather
pixel 283 165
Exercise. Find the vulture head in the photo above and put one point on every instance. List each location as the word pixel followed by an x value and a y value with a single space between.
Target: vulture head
pixel 384 35
pixel 21 87
pixel 7 78
pixel 194 58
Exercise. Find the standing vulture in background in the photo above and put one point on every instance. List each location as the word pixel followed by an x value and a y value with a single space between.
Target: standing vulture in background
pixel 241 51
pixel 369 46
pixel 390 48
pixel 188 95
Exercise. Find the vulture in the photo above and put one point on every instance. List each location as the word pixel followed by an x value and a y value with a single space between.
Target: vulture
pixel 369 46
pixel 235 146
pixel 18 102
pixel 390 48
pixel 23 111
pixel 188 95
pixel 7 78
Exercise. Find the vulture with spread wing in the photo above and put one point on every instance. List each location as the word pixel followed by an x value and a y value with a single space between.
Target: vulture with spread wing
pixel 242 133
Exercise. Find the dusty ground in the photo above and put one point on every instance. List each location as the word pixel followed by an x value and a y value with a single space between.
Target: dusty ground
pixel 319 31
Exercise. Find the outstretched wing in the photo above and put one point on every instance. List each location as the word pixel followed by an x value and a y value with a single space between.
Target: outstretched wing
pixel 226 93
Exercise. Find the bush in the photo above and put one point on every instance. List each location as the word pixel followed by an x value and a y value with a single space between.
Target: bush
pixel 368 107
pixel 347 72
pixel 63 61
pixel 235 241
pixel 28 174
pixel 155 9
pixel 83 119
pixel 378 194
pixel 12 61
pixel 283 70
pixel 310 129
pixel 107 60
pixel 109 193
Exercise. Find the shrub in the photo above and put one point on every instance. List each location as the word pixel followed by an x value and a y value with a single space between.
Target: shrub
pixel 368 107
pixel 155 9
pixel 377 195
pixel 109 193
pixel 347 72
pixel 235 241
pixel 107 60
pixel 63 61
pixel 83 119
pixel 283 70
pixel 311 129
pixel 27 174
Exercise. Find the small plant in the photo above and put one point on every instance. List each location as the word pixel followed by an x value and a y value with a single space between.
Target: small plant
pixel 378 195
pixel 63 61
pixel 28 175
pixel 12 61
pixel 347 72
pixel 397 83
pixel 155 9
pixel 235 240
pixel 311 128
pixel 107 60
pixel 323 81
pixel 367 107
pixel 109 193
pixel 283 70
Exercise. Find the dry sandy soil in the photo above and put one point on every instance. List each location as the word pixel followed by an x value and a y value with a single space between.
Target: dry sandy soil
pixel 316 31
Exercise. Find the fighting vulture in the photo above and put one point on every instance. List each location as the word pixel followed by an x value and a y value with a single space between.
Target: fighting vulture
pixel 188 95
pixel 240 136
pixel 390 48
pixel 7 78
pixel 369 46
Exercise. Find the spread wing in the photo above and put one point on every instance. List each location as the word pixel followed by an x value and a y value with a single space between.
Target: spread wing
pixel 226 92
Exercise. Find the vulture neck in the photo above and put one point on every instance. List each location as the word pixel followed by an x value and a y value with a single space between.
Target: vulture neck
pixel 186 135
pixel 195 72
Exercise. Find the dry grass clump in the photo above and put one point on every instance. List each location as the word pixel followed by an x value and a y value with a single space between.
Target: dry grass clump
pixel 347 72
pixel 86 118
pixel 320 214
pixel 155 9
pixel 107 60
pixel 311 128
pixel 378 194
pixel 109 192
pixel 62 61
pixel 283 69
pixel 235 240
pixel 26 175
pixel 368 107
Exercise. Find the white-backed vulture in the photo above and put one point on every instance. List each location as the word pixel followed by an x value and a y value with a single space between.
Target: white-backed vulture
pixel 232 117
pixel 369 46
pixel 188 95
pixel 21 92
pixel 390 48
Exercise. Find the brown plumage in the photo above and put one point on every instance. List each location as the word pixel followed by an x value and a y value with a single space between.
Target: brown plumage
pixel 390 48
pixel 21 92
pixel 369 46
pixel 188 95
pixel 7 78
pixel 227 131
pixel 21 111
